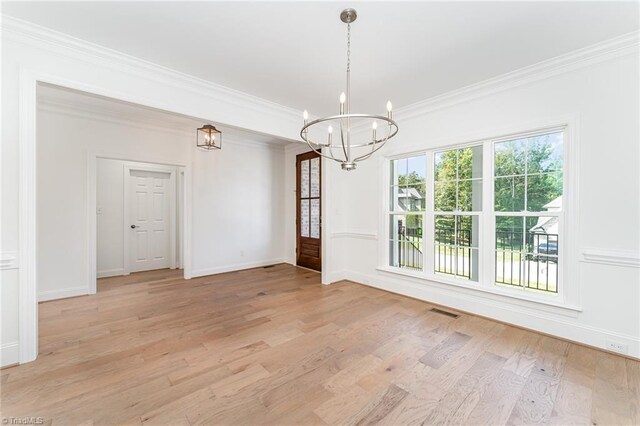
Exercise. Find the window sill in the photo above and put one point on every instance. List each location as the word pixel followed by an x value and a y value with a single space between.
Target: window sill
pixel 507 295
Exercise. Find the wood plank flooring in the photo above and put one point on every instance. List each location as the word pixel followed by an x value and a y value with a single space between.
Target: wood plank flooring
pixel 274 346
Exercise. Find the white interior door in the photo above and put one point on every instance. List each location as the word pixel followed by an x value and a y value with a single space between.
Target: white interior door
pixel 150 220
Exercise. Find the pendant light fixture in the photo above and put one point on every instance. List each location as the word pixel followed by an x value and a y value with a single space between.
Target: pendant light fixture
pixel 208 138
pixel 342 148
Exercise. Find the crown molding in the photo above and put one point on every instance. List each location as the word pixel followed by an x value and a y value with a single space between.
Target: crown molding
pixel 106 115
pixel 600 52
pixel 35 35
pixel 234 140
pixel 41 37
pixel 296 146
pixel 144 122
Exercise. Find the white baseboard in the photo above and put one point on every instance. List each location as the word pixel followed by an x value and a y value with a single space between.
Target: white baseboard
pixel 9 354
pixel 44 296
pixel 512 314
pixel 110 273
pixel 236 267
pixel 336 276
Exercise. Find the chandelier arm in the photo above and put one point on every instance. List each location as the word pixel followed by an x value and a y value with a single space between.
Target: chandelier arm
pixel 373 142
pixel 380 144
pixel 366 156
pixel 354 115
pixel 392 124
pixel 389 121
pixel 344 149
pixel 330 146
pixel 320 152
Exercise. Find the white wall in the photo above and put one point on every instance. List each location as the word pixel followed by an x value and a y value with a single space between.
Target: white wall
pixel 238 208
pixel 31 53
pixel 110 217
pixel 605 97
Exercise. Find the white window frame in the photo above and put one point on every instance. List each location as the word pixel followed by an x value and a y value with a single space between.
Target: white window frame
pixel 568 295
pixel 389 212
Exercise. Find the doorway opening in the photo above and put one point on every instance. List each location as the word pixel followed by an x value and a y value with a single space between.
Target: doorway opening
pixel 139 217
pixel 93 156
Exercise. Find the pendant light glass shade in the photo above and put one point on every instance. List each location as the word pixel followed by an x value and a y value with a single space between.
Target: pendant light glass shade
pixel 208 138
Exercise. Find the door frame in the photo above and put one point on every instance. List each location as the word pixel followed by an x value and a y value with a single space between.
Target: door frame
pixel 297 209
pixel 92 219
pixel 180 191
pixel 149 167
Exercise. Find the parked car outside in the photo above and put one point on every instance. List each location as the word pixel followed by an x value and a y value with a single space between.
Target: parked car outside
pixel 546 252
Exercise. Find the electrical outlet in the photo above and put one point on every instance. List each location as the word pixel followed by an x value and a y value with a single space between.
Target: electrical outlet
pixel 241 253
pixel 622 348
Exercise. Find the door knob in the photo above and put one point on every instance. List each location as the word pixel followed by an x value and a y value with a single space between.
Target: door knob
pixel 134 226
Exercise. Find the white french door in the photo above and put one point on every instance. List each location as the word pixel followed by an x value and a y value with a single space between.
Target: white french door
pixel 149 224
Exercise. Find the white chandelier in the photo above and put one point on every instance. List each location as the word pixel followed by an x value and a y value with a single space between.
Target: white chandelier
pixel 343 150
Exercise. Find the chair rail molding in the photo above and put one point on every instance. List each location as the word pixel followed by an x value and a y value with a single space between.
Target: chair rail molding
pixel 8 260
pixel 357 235
pixel 624 258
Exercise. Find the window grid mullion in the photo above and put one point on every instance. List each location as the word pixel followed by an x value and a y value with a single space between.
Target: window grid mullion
pixel 487 248
pixel 428 238
pixel 526 173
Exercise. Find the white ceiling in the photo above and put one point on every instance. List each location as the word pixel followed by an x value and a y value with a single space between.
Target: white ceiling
pixel 293 53
pixel 74 100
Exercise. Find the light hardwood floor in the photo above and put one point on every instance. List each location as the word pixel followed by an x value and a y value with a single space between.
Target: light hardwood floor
pixel 274 346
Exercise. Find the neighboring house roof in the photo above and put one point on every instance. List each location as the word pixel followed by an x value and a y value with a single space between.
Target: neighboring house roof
pixel 406 197
pixel 548 225
pixel 554 205
pixel 409 193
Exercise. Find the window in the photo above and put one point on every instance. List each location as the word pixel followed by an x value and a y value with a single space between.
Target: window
pixel 488 214
pixel 457 205
pixel 528 208
pixel 407 204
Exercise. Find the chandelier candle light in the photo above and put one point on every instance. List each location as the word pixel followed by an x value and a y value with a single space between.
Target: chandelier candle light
pixel 343 150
